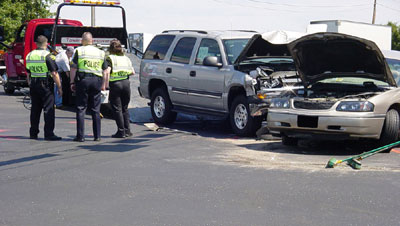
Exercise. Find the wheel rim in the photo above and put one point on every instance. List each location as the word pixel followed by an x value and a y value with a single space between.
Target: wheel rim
pixel 240 116
pixel 159 106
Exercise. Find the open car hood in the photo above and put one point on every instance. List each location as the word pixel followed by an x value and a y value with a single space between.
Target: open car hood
pixel 328 55
pixel 270 44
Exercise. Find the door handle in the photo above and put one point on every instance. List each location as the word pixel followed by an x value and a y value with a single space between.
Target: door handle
pixel 168 70
pixel 192 73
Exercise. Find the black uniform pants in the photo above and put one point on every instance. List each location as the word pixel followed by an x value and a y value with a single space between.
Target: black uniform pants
pixel 67 94
pixel 88 93
pixel 120 95
pixel 42 97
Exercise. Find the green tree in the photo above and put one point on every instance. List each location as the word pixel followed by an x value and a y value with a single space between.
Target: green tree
pixel 15 12
pixel 395 35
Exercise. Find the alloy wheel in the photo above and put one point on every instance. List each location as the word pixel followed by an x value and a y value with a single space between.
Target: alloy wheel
pixel 240 116
pixel 159 106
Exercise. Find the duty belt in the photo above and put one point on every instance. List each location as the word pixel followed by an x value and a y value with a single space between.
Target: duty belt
pixel 40 80
pixel 85 75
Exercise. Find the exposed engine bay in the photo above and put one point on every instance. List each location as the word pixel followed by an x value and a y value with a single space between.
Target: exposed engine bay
pixel 276 75
pixel 335 92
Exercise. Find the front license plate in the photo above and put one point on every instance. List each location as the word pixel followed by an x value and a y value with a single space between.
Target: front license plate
pixel 307 121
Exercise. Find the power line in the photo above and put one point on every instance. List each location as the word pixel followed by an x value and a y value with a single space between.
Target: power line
pixel 387 7
pixel 306 6
pixel 285 10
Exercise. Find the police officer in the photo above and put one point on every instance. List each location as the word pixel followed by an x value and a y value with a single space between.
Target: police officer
pixel 87 69
pixel 118 72
pixel 63 63
pixel 43 74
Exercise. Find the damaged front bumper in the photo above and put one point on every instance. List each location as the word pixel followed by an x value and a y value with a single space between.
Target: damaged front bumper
pixel 258 107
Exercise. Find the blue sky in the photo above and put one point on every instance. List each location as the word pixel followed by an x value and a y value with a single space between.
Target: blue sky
pixel 154 16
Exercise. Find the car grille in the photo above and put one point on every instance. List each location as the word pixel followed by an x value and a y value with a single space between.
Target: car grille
pixel 313 105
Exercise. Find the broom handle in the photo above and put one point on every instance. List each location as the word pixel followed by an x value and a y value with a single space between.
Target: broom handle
pixel 372 152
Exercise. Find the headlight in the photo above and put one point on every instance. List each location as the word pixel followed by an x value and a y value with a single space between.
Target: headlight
pixel 355 106
pixel 280 103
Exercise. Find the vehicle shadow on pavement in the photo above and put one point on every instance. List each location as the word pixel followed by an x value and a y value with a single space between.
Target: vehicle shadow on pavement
pixel 312 147
pixel 204 128
pixel 123 145
pixel 112 148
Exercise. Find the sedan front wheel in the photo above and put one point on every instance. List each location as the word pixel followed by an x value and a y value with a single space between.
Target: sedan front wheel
pixel 391 128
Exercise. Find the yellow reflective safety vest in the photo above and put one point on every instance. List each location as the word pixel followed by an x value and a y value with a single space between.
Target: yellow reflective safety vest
pixel 36 63
pixel 121 67
pixel 90 60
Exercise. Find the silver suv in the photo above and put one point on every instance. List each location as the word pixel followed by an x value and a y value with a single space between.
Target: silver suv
pixel 211 73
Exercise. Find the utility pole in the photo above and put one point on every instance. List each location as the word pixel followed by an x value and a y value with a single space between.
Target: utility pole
pixel 93 16
pixel 374 14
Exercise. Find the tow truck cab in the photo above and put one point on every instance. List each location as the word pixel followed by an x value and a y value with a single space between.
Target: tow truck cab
pixel 58 32
pixel 16 75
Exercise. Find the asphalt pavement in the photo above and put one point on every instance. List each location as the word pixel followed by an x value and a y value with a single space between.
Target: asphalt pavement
pixel 191 173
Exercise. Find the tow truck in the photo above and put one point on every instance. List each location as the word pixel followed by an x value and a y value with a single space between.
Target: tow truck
pixel 15 75
pixel 60 32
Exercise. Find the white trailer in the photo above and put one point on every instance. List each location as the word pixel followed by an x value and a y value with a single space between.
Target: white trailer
pixel 380 34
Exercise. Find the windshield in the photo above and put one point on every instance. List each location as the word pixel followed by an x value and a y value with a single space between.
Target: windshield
pixel 270 60
pixel 394 66
pixel 45 29
pixel 353 81
pixel 233 48
pixel 275 63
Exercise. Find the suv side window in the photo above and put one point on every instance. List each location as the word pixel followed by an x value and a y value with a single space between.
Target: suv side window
pixel 158 47
pixel 183 50
pixel 208 47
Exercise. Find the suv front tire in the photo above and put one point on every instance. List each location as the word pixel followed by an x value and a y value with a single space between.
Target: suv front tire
pixel 242 123
pixel 161 107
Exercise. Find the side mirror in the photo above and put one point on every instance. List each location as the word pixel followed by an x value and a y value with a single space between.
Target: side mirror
pixel 212 61
pixel 1 33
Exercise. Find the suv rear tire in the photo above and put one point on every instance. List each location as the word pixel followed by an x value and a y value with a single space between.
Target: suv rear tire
pixel 242 123
pixel 391 128
pixel 161 107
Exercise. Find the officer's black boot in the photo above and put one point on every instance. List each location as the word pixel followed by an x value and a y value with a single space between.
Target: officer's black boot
pixel 118 134
pixel 128 133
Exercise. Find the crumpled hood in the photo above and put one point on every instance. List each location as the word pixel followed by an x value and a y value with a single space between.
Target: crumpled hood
pixel 269 44
pixel 328 55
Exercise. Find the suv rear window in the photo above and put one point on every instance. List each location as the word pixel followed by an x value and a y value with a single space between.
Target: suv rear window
pixel 158 47
pixel 183 50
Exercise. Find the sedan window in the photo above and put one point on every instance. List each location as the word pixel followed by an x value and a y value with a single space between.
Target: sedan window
pixel 394 66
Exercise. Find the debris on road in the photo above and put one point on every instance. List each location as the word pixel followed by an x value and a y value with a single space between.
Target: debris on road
pixel 156 128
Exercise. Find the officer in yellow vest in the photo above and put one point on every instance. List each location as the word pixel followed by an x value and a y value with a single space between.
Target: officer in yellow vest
pixel 118 72
pixel 87 69
pixel 43 73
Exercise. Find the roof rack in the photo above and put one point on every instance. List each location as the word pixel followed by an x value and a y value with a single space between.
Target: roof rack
pixel 181 31
pixel 245 31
